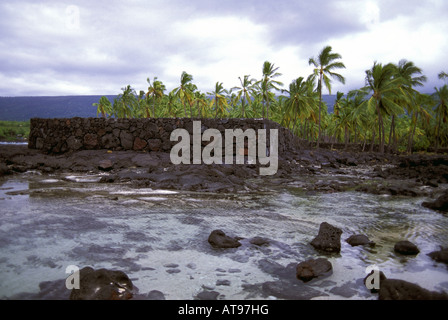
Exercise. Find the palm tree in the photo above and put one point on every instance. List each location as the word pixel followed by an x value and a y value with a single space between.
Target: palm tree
pixel 185 91
pixel 143 106
pixel 201 103
pixel 266 84
pixel 441 98
pixel 442 75
pixel 155 90
pixel 359 121
pixel 219 99
pixel 125 104
pixel 324 66
pixel 338 116
pixel 411 76
pixel 103 106
pixel 299 103
pixel 423 103
pixel 386 89
pixel 171 104
pixel 244 92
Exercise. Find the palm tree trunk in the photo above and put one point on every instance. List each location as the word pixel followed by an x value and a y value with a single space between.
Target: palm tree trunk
pixel 373 141
pixel 380 129
pixel 242 104
pixel 267 110
pixel 391 132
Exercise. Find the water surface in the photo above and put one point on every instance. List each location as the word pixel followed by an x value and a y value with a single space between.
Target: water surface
pixel 159 238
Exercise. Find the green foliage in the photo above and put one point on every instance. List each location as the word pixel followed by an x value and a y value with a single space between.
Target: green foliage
pixel 324 66
pixel 387 111
pixel 14 130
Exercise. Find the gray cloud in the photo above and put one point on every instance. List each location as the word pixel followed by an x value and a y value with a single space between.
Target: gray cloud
pixel 44 51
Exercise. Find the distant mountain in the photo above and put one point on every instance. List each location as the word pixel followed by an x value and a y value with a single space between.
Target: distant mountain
pixel 25 108
pixel 329 100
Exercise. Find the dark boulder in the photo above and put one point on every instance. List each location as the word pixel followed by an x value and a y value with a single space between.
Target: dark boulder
pixel 288 290
pixel 313 268
pixel 105 165
pixel 218 239
pixel 259 241
pixel 102 284
pixel 440 204
pixel 359 240
pixel 155 295
pixel 395 289
pixel 4 170
pixel 401 191
pixel 406 247
pixel 440 256
pixel 328 238
pixel 207 295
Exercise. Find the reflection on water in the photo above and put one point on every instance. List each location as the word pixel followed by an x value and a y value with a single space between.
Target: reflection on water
pixel 159 237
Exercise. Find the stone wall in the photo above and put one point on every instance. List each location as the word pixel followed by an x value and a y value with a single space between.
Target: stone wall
pixel 153 134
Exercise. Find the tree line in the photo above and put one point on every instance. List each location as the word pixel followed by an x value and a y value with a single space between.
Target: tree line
pixel 387 111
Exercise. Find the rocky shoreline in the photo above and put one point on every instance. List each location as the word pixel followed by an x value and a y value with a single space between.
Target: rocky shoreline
pixel 320 170
pixel 309 171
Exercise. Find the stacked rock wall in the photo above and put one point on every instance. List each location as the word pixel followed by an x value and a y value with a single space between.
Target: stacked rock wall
pixel 153 134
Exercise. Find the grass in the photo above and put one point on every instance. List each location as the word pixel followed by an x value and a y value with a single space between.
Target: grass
pixel 14 130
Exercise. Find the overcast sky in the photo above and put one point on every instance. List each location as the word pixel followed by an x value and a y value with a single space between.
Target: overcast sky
pixel 98 47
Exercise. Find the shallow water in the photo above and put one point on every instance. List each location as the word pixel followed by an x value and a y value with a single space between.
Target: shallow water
pixel 159 238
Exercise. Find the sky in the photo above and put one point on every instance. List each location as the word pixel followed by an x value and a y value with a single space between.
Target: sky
pixel 51 48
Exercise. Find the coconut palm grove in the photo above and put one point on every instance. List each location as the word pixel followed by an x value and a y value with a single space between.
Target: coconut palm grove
pixel 389 111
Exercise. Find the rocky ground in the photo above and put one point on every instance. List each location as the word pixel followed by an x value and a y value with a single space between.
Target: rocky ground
pixel 310 170
pixel 307 170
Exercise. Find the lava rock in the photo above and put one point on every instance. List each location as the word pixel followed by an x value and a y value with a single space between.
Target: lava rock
pixel 105 165
pixel 102 284
pixel 207 295
pixel 395 289
pixel 288 290
pixel 406 247
pixel 440 204
pixel 218 239
pixel 259 241
pixel 440 256
pixel 401 191
pixel 359 240
pixel 4 170
pixel 313 268
pixel 155 295
pixel 328 238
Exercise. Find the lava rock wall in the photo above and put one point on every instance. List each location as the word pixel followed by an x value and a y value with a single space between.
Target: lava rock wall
pixel 151 134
